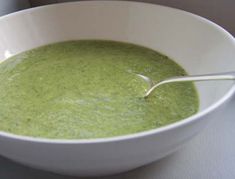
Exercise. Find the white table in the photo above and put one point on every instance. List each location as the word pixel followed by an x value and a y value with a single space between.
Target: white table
pixel 210 155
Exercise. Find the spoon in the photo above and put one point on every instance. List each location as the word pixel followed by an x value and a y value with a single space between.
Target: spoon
pixel 205 77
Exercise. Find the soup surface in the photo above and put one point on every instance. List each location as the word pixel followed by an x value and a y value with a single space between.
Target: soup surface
pixel 90 89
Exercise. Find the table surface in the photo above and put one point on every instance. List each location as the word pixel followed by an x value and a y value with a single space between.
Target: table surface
pixel 210 155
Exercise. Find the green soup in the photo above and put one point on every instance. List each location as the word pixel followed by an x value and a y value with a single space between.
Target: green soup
pixel 90 89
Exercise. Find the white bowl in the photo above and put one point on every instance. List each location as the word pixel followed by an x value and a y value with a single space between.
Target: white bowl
pixel 199 45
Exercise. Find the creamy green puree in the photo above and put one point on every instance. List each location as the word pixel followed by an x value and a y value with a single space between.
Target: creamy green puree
pixel 90 89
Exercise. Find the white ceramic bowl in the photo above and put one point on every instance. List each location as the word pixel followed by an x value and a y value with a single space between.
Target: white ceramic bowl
pixel 199 45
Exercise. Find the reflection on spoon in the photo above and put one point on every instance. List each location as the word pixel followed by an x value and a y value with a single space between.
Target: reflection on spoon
pixel 146 79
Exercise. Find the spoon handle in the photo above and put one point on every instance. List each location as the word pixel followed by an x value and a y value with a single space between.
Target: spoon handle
pixel 206 77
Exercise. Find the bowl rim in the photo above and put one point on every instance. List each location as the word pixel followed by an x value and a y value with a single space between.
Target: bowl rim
pixel 168 127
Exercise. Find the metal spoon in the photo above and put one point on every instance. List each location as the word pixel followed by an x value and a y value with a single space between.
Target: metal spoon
pixel 206 77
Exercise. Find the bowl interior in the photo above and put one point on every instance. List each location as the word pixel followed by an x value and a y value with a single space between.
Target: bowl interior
pixel 195 43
